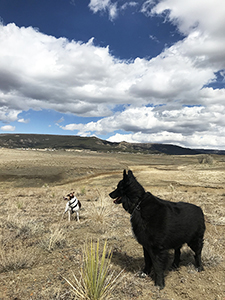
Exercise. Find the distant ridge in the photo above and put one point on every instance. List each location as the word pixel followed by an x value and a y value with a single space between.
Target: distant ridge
pixel 65 142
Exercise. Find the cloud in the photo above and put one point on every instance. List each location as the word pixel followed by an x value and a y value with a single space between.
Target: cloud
pixel 165 98
pixel 8 128
pixel 129 4
pixel 86 80
pixel 151 124
pixel 111 8
pixel 105 6
pixel 65 76
pixel 24 121
pixel 8 115
pixel 198 141
pixel 147 7
pixel 194 15
pixel 60 120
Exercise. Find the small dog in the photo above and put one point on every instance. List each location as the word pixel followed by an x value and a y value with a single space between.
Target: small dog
pixel 160 225
pixel 72 205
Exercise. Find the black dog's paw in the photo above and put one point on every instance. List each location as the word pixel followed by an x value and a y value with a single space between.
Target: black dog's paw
pixel 200 269
pixel 160 284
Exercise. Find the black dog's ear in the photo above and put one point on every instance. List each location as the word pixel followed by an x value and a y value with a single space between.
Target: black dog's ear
pixel 125 176
pixel 130 173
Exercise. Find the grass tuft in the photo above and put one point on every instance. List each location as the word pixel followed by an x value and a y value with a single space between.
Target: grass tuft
pixel 97 281
pixel 55 239
pixel 101 212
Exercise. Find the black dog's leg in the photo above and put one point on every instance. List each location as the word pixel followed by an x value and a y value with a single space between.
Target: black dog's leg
pixel 158 261
pixel 197 246
pixel 176 260
pixel 148 262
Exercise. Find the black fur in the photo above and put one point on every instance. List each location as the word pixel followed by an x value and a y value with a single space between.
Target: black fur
pixel 159 225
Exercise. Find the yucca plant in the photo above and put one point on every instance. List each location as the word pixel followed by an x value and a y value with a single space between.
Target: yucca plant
pixel 97 280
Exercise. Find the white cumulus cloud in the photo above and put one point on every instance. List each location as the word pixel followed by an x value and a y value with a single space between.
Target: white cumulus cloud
pixel 8 128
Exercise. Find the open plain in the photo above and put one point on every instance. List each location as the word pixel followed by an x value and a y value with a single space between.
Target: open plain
pixel 39 248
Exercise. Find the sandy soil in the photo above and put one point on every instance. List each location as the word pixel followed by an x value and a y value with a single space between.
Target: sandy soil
pixel 39 247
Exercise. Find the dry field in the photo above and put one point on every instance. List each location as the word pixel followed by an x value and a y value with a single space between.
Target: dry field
pixel 39 247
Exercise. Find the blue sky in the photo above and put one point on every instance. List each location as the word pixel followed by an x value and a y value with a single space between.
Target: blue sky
pixel 137 71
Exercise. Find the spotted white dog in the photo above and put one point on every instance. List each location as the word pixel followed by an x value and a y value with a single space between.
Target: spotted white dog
pixel 72 205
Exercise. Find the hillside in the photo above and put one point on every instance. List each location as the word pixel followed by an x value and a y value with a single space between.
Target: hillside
pixel 63 142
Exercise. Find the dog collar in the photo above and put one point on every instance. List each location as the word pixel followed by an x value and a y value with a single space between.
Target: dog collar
pixel 137 207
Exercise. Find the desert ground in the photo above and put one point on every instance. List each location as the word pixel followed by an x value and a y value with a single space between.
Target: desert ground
pixel 39 248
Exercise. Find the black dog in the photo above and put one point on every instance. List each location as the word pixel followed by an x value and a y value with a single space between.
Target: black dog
pixel 159 225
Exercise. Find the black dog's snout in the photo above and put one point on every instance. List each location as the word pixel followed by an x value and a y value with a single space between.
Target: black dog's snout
pixel 113 194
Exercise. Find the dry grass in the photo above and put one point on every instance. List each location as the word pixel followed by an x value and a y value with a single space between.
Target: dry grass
pixel 23 228
pixel 101 212
pixel 210 257
pixel 53 294
pixel 38 244
pixel 16 259
pixel 54 239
